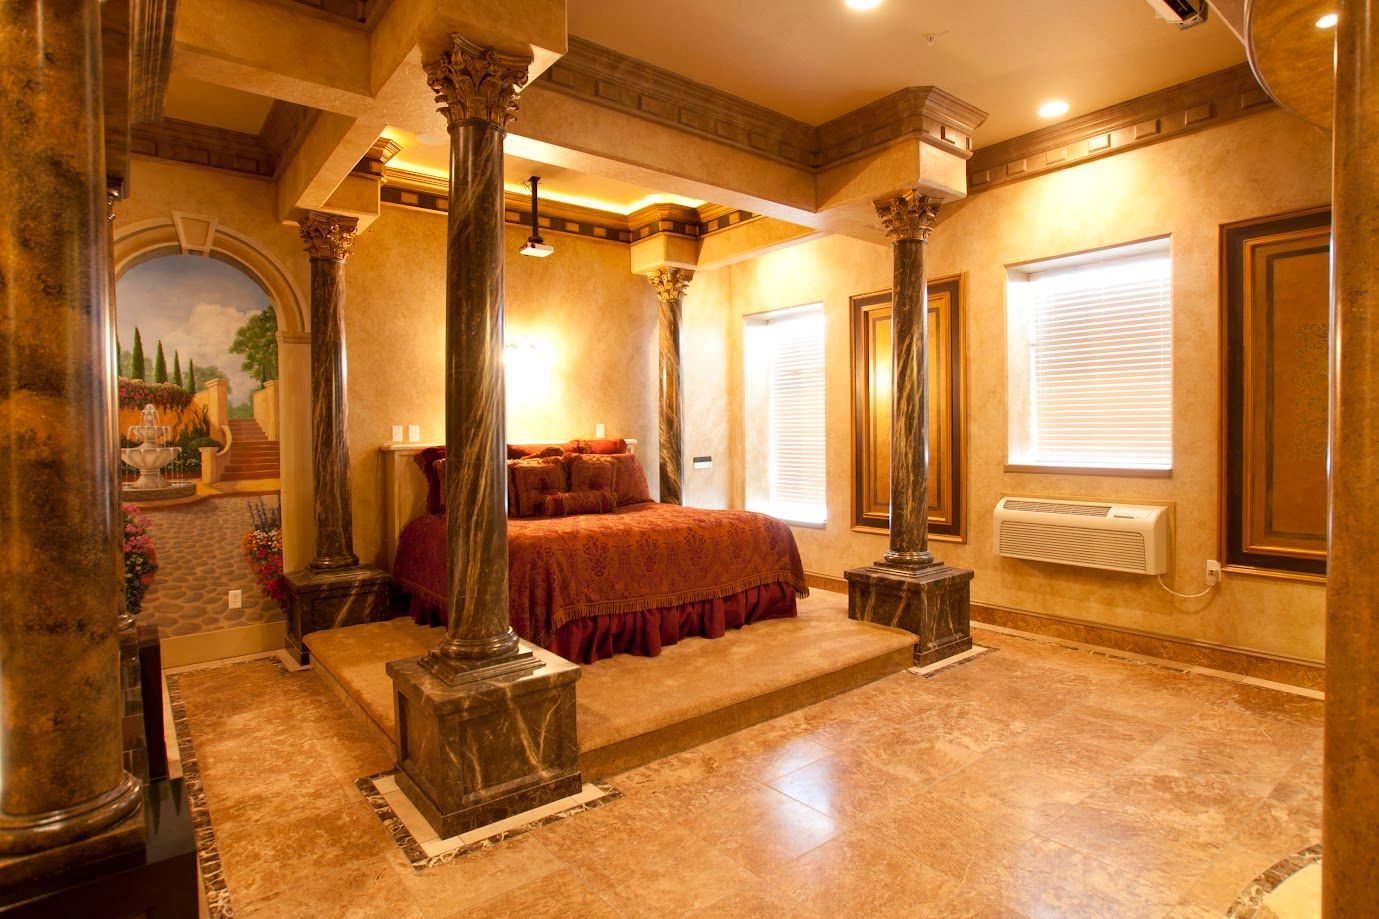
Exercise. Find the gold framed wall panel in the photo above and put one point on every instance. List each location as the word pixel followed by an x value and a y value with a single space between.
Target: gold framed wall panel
pixel 871 388
pixel 1275 300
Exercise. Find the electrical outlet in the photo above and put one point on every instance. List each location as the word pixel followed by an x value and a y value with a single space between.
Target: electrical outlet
pixel 1213 572
pixel 236 599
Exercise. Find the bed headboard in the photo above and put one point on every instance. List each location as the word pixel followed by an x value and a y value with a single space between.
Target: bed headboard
pixel 404 489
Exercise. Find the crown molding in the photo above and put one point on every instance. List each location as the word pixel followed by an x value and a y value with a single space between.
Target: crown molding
pixel 614 80
pixel 201 145
pixel 1191 106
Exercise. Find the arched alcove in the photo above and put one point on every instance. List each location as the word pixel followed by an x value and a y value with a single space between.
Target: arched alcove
pixel 190 234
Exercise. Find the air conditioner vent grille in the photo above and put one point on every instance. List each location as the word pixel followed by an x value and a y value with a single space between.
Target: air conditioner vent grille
pixel 1072 545
pixel 1058 507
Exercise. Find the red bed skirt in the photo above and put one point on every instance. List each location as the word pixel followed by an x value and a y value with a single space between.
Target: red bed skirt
pixel 646 632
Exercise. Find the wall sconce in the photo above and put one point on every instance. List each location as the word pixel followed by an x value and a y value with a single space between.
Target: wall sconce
pixel 536 246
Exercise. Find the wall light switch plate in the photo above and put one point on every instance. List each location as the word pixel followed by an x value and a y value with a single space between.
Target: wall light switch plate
pixel 703 462
pixel 413 433
pixel 236 599
pixel 599 431
pixel 397 433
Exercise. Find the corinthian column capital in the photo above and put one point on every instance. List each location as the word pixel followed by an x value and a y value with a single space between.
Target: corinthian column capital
pixel 473 83
pixel 908 216
pixel 329 235
pixel 670 283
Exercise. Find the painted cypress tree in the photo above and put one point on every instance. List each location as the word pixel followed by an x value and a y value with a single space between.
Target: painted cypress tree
pixel 160 365
pixel 136 371
pixel 191 375
pixel 177 368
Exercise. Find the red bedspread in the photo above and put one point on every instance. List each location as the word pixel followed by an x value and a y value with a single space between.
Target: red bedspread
pixel 698 570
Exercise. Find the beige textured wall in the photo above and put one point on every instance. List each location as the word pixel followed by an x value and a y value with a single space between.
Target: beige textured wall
pixel 1187 187
pixel 593 321
pixel 704 360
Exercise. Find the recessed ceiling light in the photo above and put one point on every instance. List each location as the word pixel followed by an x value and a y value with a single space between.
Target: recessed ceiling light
pixel 1328 21
pixel 861 4
pixel 1053 108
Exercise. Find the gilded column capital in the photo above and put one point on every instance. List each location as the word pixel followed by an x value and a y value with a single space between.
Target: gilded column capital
pixel 473 83
pixel 670 283
pixel 908 216
pixel 329 235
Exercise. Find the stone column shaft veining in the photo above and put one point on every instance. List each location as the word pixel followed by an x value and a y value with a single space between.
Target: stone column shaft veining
pixel 908 220
pixel 329 239
pixel 61 773
pixel 671 284
pixel 1350 869
pixel 477 89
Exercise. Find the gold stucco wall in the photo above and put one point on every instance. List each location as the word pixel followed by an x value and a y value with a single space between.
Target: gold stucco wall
pixel 1187 188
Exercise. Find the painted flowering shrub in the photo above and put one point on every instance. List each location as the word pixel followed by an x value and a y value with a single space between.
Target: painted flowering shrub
pixel 166 397
pixel 263 547
pixel 140 561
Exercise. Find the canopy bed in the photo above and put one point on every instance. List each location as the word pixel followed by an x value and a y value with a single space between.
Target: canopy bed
pixel 595 568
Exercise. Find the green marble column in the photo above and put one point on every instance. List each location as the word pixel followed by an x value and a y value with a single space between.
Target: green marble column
pixel 61 775
pixel 671 284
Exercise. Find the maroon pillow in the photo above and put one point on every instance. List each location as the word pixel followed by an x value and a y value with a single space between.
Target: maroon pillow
pixel 435 484
pixel 592 473
pixel 569 503
pixel 606 447
pixel 532 451
pixel 629 483
pixel 578 446
pixel 532 480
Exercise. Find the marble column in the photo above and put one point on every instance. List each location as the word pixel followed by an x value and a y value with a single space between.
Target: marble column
pixel 65 797
pixel 671 284
pixel 907 588
pixel 486 723
pixel 329 239
pixel 334 590
pixel 1350 832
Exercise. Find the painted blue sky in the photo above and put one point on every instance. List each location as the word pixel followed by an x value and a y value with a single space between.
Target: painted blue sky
pixel 194 304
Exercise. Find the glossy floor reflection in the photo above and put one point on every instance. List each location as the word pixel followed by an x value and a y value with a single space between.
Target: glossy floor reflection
pixel 1035 781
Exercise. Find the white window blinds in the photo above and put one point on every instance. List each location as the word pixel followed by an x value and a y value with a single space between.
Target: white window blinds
pixel 1100 363
pixel 793 345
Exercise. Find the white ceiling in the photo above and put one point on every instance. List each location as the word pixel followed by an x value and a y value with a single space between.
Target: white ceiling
pixel 816 59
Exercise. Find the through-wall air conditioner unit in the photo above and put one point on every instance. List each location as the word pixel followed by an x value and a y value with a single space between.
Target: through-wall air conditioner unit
pixel 1182 13
pixel 1117 537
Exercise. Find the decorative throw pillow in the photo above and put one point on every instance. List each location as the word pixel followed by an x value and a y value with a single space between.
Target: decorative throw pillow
pixel 435 487
pixel 532 480
pixel 532 451
pixel 592 473
pixel 578 446
pixel 629 482
pixel 438 469
pixel 569 503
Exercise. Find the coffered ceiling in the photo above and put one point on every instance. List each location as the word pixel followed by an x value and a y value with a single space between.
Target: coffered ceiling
pixel 816 59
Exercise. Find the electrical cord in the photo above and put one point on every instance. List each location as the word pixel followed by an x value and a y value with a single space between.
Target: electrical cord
pixel 1201 593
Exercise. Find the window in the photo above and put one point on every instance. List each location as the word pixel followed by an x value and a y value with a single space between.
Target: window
pixel 1090 360
pixel 784 414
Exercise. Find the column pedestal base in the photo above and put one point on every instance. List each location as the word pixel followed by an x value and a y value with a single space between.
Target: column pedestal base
pixel 331 599
pixel 486 749
pixel 932 602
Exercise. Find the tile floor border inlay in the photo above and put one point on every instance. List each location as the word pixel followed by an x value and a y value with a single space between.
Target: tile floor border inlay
pixel 1247 905
pixel 213 885
pixel 416 855
pixel 957 660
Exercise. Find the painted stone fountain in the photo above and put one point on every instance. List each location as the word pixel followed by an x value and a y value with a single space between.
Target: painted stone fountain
pixel 149 458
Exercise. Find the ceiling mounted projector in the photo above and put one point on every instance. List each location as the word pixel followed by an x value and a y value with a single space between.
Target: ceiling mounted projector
pixel 536 246
pixel 1183 13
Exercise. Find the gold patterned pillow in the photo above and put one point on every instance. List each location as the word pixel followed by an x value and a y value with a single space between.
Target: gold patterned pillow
pixel 569 503
pixel 532 480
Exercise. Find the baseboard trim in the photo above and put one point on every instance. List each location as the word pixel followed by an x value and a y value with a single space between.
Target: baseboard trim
pixel 1261 665
pixel 184 650
pixel 825 582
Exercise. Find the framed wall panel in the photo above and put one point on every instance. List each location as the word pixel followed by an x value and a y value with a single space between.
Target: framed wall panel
pixel 1276 288
pixel 871 413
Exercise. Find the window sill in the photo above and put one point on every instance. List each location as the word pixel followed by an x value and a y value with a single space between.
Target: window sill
pixel 800 523
pixel 1110 471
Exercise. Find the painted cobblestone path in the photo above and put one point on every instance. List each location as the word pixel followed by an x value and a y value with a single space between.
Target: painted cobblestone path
pixel 200 559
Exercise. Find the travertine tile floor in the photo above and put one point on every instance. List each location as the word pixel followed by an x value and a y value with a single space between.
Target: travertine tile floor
pixel 200 559
pixel 1035 781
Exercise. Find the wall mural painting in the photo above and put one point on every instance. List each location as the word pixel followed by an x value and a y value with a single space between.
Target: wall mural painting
pixel 1275 278
pixel 197 341
pixel 871 418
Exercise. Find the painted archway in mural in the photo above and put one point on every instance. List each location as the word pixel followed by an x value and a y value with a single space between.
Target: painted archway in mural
pixel 191 234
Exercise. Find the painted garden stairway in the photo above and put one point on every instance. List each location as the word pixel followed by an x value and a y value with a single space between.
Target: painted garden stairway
pixel 252 454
